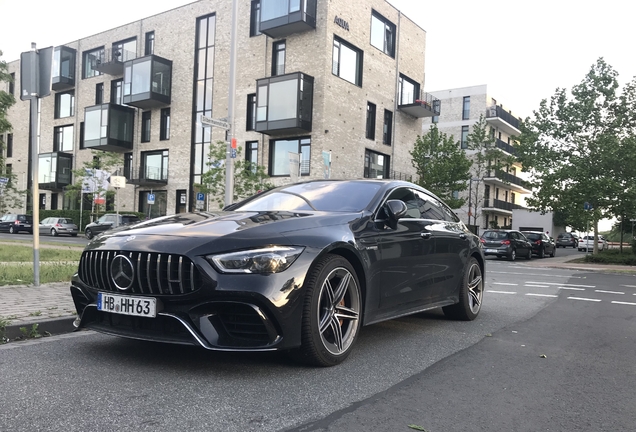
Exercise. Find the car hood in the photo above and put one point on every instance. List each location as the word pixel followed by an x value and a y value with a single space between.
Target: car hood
pixel 186 232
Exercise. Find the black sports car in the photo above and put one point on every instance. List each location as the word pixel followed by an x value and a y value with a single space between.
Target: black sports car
pixel 300 268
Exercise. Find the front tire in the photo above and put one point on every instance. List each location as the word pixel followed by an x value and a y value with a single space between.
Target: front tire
pixel 542 253
pixel 331 313
pixel 471 294
pixel 88 233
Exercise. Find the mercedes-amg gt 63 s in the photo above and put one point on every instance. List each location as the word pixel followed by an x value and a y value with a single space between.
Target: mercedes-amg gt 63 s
pixel 298 268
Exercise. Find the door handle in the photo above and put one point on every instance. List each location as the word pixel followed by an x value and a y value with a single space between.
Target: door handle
pixel 425 235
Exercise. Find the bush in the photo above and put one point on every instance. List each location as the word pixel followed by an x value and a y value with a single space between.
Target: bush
pixel 612 256
pixel 634 245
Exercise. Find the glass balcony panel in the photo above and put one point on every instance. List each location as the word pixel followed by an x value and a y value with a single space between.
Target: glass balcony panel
pixel 93 125
pixel 54 170
pixel 284 104
pixel 109 127
pixel 271 9
pixel 148 82
pixel 141 77
pixel 279 18
pixel 63 68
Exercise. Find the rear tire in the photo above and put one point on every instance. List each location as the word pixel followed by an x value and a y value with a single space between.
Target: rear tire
pixel 542 253
pixel 553 252
pixel 471 294
pixel 12 230
pixel 53 232
pixel 529 256
pixel 512 256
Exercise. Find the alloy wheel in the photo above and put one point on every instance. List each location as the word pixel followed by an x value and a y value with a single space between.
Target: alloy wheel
pixel 475 288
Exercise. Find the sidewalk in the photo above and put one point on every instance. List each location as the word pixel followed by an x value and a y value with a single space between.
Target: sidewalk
pixel 51 306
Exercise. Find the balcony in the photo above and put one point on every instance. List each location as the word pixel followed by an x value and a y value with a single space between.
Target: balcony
pixel 425 106
pixel 112 61
pixel 147 82
pixel 507 180
pixel 497 117
pixel 148 176
pixel 280 18
pixel 54 170
pixel 63 68
pixel 500 144
pixel 284 104
pixel 109 127
pixel 500 205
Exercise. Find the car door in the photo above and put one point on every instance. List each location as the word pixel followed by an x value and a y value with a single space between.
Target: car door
pixel 3 225
pixel 45 226
pixel 522 244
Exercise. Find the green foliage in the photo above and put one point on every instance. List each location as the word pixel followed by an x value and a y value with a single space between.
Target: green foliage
pixel 612 256
pixel 581 148
pixel 441 165
pixel 30 332
pixel 19 253
pixel 49 272
pixel 249 178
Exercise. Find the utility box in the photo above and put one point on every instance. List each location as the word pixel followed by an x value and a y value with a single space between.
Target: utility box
pixel 526 220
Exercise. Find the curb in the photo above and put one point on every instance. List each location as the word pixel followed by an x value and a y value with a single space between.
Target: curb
pixel 53 326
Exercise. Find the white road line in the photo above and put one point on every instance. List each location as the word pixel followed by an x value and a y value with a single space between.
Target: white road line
pixel 535 274
pixel 624 303
pixel 573 289
pixel 504 283
pixel 541 295
pixel 629 286
pixel 501 292
pixel 584 299
pixel 562 284
pixel 537 286
pixel 608 292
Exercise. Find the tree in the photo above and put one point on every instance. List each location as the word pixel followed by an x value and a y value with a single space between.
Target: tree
pixel 441 165
pixel 581 149
pixel 10 196
pixel 487 161
pixel 249 178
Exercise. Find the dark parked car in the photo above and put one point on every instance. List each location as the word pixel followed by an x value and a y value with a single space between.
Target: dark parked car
pixel 506 244
pixel 108 221
pixel 298 268
pixel 14 223
pixel 567 240
pixel 56 226
pixel 542 245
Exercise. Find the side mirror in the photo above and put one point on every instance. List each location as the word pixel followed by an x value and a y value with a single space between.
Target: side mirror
pixel 394 210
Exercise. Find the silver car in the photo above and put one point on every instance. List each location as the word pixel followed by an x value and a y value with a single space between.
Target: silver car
pixel 56 226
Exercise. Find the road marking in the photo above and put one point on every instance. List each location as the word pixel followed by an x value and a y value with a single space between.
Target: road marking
pixel 536 274
pixel 624 303
pixel 537 286
pixel 562 284
pixel 541 295
pixel 501 292
pixel 572 288
pixel 608 292
pixel 584 299
pixel 629 286
pixel 504 283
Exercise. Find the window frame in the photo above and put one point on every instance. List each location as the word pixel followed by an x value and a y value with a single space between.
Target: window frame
pixel 416 89
pixel 303 142
pixel 100 54
pixel 251 155
pixel 255 18
pixel 165 160
pixel 9 145
pixel 387 129
pixel 388 25
pixel 58 142
pixel 114 86
pixel 277 52
pixel 464 137
pixel 466 108
pixel 99 93
pixel 250 117
pixel 367 162
pixel 164 127
pixel 370 125
pixel 149 43
pixel 58 96
pixel 146 124
pixel 338 44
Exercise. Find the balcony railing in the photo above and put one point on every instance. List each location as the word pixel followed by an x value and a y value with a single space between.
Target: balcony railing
pixel 425 106
pixel 284 104
pixel 509 178
pixel 148 176
pixel 497 116
pixel 506 147
pixel 397 175
pixel 112 61
pixel 280 18
pixel 502 205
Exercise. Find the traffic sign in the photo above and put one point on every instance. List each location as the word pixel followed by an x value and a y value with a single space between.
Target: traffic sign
pixel 220 123
pixel 151 199
pixel 233 153
pixel 200 196
pixel 4 180
pixel 587 206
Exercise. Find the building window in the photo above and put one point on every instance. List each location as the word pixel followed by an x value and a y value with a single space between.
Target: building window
pixel 278 58
pixel 347 61
pixel 164 133
pixel 9 145
pixel 99 94
pixel 370 132
pixel 150 43
pixel 251 112
pixel 125 50
pixel 155 165
pixel 376 165
pixel 251 155
pixel 145 126
pixel 159 208
pixel 464 141
pixel 8 169
pixel 54 201
pixel 279 155
pixel 63 138
pixel 128 165
pixel 382 34
pixel 466 109
pixel 387 130
pixel 408 90
pixel 12 84
pixel 116 91
pixel 436 108
pixel 89 60
pixel 255 18
pixel 64 104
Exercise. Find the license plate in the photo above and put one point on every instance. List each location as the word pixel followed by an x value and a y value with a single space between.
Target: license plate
pixel 127 305
pixel 27 226
pixel 491 250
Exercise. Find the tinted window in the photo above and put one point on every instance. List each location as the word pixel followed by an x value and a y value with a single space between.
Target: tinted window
pixel 495 235
pixel 533 236
pixel 129 219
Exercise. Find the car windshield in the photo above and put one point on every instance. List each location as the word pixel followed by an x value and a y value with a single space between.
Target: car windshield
pixel 328 196
pixel 533 236
pixel 495 235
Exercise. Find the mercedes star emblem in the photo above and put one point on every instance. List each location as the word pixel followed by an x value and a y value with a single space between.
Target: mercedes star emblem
pixel 122 272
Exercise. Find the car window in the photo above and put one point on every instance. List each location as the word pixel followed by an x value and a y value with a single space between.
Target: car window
pixel 66 221
pixel 102 219
pixel 495 235
pixel 45 221
pixel 129 219
pixel 533 236
pixel 428 206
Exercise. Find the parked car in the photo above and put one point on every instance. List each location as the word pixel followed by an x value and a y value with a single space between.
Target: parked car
pixel 298 268
pixel 542 244
pixel 567 239
pixel 14 223
pixel 586 242
pixel 506 244
pixel 108 221
pixel 57 226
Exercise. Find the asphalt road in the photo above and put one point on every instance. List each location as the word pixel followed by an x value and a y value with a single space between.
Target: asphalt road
pixel 423 370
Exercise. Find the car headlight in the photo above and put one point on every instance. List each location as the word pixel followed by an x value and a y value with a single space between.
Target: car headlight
pixel 273 259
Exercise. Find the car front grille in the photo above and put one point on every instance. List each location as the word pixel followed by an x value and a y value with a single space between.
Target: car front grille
pixel 154 273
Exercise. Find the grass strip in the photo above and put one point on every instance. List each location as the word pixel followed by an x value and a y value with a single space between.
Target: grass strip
pixel 49 272
pixel 11 253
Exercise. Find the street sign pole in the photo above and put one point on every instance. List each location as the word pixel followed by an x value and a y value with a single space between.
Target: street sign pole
pixel 230 106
